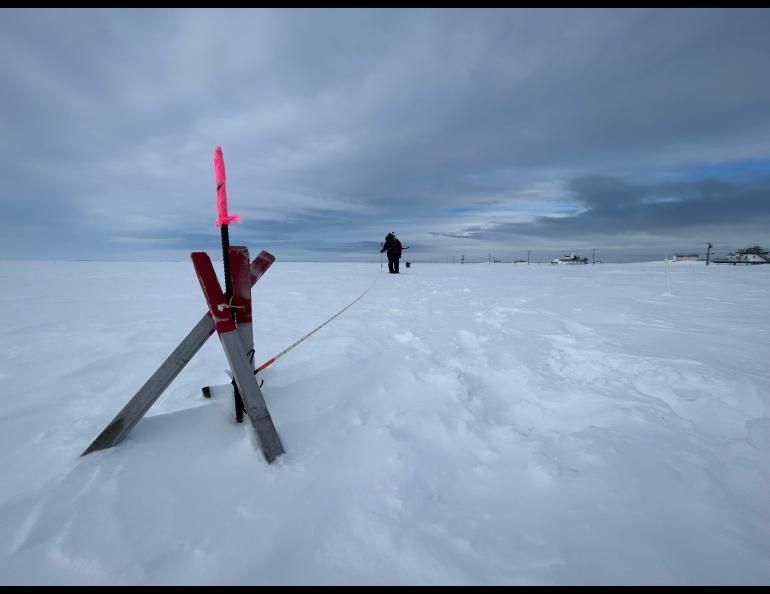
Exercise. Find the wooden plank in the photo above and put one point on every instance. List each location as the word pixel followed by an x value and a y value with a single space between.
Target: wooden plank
pixel 253 401
pixel 259 265
pixel 154 387
pixel 241 301
pixel 239 269
pixel 243 370
pixel 257 268
pixel 136 408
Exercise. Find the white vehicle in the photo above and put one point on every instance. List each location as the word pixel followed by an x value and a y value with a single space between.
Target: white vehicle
pixel 571 259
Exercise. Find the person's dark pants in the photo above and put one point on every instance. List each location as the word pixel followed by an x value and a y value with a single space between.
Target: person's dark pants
pixel 393 265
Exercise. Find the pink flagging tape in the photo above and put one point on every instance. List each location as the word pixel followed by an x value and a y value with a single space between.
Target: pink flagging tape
pixel 219 172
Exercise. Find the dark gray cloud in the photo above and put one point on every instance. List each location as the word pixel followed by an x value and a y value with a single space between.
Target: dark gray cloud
pixel 669 213
pixel 455 127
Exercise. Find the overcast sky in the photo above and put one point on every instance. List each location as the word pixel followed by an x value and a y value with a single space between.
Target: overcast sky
pixel 465 132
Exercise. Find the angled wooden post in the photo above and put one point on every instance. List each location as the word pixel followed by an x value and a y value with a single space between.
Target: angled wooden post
pixel 239 268
pixel 243 370
pixel 152 389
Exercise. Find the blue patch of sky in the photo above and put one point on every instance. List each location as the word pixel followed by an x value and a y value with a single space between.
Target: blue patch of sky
pixel 461 210
pixel 732 171
pixel 542 208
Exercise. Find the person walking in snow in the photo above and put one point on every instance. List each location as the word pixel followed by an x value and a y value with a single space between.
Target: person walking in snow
pixel 393 246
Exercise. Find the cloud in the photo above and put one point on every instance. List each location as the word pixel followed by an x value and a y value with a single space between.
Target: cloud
pixel 667 211
pixel 470 124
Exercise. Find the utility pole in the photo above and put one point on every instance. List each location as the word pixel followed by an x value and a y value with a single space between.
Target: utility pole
pixel 528 257
pixel 708 252
pixel 593 261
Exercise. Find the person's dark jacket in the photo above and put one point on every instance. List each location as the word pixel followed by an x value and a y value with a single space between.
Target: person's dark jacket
pixel 396 249
pixel 393 246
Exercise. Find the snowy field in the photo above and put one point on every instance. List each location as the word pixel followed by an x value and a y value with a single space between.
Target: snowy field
pixel 477 424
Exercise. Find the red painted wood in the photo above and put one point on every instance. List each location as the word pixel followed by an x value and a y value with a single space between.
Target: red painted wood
pixel 240 271
pixel 212 291
pixel 154 387
pixel 260 264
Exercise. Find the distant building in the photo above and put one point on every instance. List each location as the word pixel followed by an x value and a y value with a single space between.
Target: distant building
pixel 749 255
pixel 686 258
pixel 571 259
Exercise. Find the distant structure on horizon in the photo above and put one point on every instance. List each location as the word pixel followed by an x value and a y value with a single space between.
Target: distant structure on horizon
pixel 571 259
pixel 750 255
pixel 686 257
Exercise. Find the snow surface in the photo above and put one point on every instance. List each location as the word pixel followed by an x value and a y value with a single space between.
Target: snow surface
pixel 476 424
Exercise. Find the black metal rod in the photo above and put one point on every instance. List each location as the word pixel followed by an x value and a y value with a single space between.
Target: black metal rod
pixel 226 259
pixel 225 232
